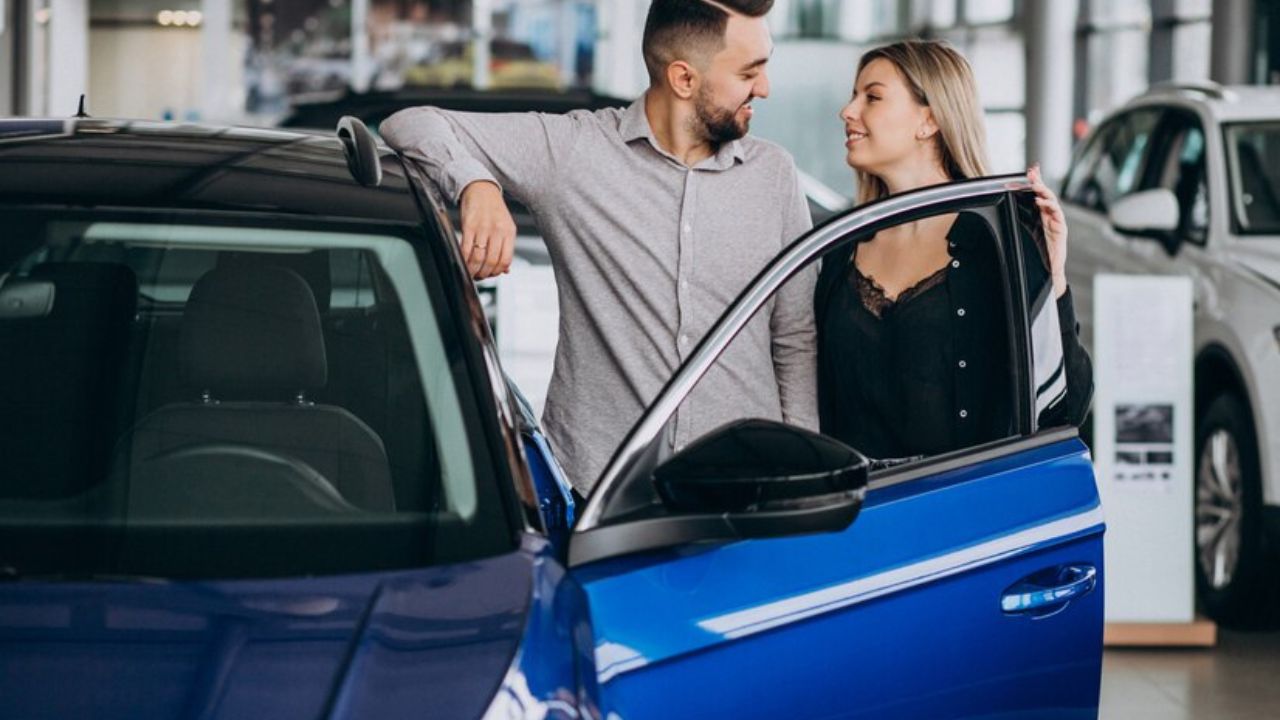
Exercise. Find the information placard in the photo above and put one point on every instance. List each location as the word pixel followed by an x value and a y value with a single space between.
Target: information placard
pixel 1143 454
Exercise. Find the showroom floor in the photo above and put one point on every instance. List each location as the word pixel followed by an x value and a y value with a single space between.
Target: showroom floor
pixel 1237 680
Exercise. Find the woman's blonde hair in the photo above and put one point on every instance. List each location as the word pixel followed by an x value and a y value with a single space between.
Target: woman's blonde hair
pixel 939 78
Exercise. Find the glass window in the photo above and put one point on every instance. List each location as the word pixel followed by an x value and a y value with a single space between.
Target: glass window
pixel 1114 165
pixel 200 399
pixel 1181 170
pixel 1253 157
pixel 912 363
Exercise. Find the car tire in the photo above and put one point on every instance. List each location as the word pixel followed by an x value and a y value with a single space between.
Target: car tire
pixel 1230 555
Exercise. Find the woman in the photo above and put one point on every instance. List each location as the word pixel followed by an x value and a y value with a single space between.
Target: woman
pixel 912 342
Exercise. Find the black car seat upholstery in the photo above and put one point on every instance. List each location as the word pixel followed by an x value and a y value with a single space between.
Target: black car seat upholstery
pixel 250 335
pixel 60 379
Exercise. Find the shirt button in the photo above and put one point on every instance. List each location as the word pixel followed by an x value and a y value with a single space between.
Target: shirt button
pixel 964 414
pixel 687 229
pixel 955 263
pixel 684 339
pixel 963 364
pixel 960 312
pixel 951 244
pixel 684 284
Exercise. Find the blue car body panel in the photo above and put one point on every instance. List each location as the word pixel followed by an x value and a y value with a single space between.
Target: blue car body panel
pixel 435 642
pixel 898 616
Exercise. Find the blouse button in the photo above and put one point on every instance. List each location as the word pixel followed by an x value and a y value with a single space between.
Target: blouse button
pixel 951 243
pixel 955 263
pixel 963 364
pixel 960 312
pixel 964 414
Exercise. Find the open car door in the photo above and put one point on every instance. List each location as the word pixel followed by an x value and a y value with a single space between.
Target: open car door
pixel 768 571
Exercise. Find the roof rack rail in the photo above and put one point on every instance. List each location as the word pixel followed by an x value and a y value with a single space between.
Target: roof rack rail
pixel 361 149
pixel 1204 87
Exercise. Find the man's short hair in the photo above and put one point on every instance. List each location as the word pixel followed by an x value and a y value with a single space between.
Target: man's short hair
pixel 690 30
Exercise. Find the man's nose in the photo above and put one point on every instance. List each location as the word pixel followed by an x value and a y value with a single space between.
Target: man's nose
pixel 761 89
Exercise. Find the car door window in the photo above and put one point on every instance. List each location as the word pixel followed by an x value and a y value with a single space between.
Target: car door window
pixel 1179 166
pixel 1121 152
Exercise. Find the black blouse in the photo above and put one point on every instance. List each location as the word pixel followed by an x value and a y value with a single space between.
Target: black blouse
pixel 928 372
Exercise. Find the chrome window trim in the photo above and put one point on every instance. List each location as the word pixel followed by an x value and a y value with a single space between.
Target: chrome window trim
pixel 643 437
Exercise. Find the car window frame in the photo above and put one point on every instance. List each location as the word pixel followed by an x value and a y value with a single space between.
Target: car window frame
pixel 494 496
pixel 621 488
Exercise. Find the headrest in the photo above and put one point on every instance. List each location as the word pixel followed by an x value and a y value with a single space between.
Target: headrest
pixel 252 327
pixel 312 266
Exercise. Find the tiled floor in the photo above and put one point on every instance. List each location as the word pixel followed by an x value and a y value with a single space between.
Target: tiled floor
pixel 1239 679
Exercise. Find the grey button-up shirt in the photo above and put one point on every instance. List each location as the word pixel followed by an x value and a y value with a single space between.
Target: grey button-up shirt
pixel 647 254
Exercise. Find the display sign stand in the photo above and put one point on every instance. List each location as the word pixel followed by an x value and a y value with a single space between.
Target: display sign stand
pixel 1143 459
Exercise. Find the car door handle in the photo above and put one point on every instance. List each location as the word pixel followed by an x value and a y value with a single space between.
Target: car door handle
pixel 1049 591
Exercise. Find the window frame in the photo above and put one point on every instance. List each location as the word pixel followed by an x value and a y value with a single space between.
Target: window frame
pixel 495 529
pixel 622 488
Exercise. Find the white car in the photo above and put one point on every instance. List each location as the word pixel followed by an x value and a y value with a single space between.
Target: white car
pixel 1185 180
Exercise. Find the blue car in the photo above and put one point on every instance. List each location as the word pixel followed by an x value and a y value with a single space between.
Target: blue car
pixel 259 459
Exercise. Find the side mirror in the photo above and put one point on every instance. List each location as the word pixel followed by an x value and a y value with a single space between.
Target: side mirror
pixel 1150 213
pixel 764 476
pixel 747 479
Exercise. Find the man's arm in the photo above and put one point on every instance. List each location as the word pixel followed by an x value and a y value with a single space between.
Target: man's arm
pixel 473 157
pixel 795 354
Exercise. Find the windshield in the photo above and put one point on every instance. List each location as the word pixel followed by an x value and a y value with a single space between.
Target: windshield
pixel 193 398
pixel 1253 155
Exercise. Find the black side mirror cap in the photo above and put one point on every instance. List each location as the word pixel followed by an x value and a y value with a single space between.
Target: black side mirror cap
pixel 752 466
pixel 748 479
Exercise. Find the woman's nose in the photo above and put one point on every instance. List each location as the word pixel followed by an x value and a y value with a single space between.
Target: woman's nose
pixel 848 113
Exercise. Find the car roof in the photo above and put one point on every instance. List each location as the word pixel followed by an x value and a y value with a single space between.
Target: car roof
pixel 1225 103
pixel 150 165
pixel 376 106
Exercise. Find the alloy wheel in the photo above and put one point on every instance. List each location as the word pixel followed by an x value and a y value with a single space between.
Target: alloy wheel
pixel 1219 508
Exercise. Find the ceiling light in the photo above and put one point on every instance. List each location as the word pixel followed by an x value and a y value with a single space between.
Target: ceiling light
pixel 165 17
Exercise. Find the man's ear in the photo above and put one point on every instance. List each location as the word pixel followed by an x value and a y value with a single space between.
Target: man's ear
pixel 683 79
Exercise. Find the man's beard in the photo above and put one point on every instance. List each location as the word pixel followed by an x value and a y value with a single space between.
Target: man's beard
pixel 719 126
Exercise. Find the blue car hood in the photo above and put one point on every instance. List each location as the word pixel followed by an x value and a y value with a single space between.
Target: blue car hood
pixel 424 643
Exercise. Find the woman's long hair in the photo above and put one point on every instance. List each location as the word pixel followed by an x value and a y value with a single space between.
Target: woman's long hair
pixel 940 78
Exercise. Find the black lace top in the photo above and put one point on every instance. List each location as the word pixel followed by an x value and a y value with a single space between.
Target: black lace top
pixel 921 374
pixel 889 366
pixel 929 371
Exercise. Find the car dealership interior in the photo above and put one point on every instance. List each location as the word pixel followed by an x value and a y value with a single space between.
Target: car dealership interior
pixel 1155 123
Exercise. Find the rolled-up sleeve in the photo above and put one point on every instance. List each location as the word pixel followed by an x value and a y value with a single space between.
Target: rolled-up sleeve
pixel 795 353
pixel 520 152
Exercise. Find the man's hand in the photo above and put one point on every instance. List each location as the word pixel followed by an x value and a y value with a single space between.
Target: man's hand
pixel 488 230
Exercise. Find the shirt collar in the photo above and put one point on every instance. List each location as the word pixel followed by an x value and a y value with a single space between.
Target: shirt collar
pixel 635 126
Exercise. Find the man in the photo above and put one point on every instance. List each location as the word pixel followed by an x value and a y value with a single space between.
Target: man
pixel 655 218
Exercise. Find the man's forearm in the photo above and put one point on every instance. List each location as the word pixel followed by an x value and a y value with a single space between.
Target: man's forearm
pixel 424 135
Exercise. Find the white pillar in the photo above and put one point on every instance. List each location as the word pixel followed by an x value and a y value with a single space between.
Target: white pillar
pixel 68 57
pixel 361 62
pixel 619 65
pixel 481 34
pixel 567 22
pixel 1050 82
pixel 217 103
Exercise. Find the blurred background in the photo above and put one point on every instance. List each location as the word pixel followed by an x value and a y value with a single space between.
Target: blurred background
pixel 251 61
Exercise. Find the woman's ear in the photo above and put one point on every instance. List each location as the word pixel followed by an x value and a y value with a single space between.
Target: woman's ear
pixel 928 128
pixel 683 79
